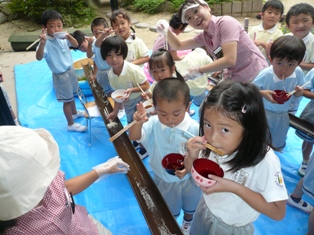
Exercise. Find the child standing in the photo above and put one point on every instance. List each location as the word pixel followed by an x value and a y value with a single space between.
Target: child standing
pixel 58 57
pixel 101 68
pixel 228 121
pixel 161 135
pixel 286 53
pixel 225 40
pixel 307 115
pixel 124 75
pixel 37 200
pixel 268 31
pixel 137 50
pixel 300 21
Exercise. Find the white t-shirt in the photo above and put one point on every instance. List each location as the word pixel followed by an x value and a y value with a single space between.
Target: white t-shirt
pixel 264 178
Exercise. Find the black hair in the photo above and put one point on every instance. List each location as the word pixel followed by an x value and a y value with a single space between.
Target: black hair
pixel 188 3
pixel 162 57
pixel 4 225
pixel 176 23
pixel 124 15
pixel 115 43
pixel 80 38
pixel 288 47
pixel 171 89
pixel 99 21
pixel 300 8
pixel 50 15
pixel 274 4
pixel 243 103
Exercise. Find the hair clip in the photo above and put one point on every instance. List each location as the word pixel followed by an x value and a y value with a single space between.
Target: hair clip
pixel 243 110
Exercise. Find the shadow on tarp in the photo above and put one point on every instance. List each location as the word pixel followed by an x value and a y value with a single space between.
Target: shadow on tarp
pixel 112 200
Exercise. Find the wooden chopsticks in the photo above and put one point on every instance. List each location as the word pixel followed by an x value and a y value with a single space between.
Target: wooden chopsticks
pixel 37 40
pixel 292 92
pixel 141 88
pixel 124 129
pixel 189 135
pixel 214 149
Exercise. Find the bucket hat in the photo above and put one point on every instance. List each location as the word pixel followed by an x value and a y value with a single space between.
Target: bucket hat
pixel 29 161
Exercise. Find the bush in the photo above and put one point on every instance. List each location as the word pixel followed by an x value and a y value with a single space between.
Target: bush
pixel 153 6
pixel 148 6
pixel 72 11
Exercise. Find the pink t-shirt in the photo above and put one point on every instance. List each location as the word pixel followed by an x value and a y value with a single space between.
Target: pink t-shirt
pixel 249 58
pixel 55 215
pixel 160 42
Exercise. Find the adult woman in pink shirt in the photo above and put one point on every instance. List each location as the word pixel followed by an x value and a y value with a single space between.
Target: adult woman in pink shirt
pixel 35 198
pixel 225 40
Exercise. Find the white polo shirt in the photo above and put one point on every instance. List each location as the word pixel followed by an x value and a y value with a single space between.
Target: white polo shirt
pixel 264 178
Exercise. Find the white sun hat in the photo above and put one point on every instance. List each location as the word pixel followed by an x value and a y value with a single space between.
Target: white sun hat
pixel 188 6
pixel 29 161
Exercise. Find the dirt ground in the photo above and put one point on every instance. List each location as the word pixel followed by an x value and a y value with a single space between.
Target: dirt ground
pixel 9 58
pixel 20 26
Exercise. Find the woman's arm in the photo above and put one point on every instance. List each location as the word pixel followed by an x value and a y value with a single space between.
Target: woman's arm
pixel 228 60
pixel 112 166
pixel 79 183
pixel 177 44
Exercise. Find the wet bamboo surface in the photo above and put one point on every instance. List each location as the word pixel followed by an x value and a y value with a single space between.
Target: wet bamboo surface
pixel 155 210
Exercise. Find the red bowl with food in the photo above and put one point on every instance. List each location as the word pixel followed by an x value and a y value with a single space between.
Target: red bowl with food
pixel 281 96
pixel 173 162
pixel 201 168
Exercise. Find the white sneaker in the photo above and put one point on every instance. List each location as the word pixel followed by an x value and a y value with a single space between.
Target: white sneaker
pixel 186 226
pixel 78 114
pixel 121 113
pixel 76 127
pixel 301 205
pixel 302 168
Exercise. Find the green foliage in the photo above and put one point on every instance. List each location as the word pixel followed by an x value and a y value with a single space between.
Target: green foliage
pixel 72 11
pixel 175 4
pixel 148 6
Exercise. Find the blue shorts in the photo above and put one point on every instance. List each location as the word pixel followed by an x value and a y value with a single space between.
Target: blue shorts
pixel 65 84
pixel 103 81
pixel 308 183
pixel 183 194
pixel 307 115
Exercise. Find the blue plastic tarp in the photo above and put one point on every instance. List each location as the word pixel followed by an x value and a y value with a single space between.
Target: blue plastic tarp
pixel 112 201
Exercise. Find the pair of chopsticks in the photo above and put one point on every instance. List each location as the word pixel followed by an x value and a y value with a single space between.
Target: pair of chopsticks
pixel 141 88
pixel 37 40
pixel 292 92
pixel 124 129
pixel 189 135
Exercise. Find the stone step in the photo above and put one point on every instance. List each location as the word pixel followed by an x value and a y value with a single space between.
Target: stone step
pixel 20 41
